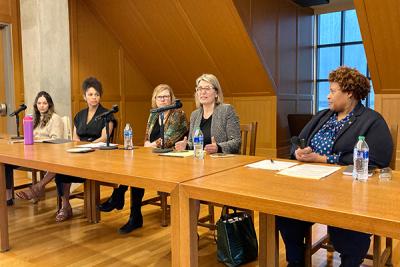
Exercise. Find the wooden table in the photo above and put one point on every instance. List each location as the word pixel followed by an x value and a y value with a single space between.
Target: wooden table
pixel 139 167
pixel 336 200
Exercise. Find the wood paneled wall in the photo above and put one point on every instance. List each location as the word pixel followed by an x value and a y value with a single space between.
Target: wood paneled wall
pixel 256 50
pixel 380 29
pixel 282 32
pixel 9 14
pixel 97 52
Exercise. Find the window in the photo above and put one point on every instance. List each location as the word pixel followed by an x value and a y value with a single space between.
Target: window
pixel 338 43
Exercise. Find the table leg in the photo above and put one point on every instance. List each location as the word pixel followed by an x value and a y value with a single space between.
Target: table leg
pixel 3 211
pixel 92 198
pixel 183 229
pixel 268 241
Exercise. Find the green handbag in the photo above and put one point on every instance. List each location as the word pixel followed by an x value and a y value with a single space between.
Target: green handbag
pixel 236 238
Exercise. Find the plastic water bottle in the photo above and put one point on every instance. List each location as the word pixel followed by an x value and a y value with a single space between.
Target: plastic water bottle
pixel 28 130
pixel 128 134
pixel 198 141
pixel 360 160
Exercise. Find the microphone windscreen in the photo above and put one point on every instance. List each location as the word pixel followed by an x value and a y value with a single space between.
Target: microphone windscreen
pixel 115 108
pixel 295 140
pixel 178 103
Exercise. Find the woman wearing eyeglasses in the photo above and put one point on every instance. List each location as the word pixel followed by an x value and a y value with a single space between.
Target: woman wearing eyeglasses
pixel 218 121
pixel 175 127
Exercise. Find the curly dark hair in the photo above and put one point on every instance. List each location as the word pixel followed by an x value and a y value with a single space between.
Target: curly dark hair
pixel 47 116
pixel 351 80
pixel 92 82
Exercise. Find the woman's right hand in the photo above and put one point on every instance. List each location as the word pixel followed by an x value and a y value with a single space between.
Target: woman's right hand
pixel 299 153
pixel 181 145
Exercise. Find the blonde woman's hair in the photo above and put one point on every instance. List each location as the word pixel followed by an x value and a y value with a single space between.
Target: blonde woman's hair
pixel 215 83
pixel 159 88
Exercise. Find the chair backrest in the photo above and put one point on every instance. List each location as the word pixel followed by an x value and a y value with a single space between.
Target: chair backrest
pixel 394 131
pixel 67 128
pixel 297 122
pixel 248 130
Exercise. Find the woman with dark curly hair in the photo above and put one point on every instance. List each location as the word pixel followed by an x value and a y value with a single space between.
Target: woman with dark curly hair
pixel 331 136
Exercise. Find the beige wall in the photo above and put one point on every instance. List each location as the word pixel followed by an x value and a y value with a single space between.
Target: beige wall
pixel 46 52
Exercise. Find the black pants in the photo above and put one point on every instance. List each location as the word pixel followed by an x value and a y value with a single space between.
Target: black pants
pixel 352 246
pixel 62 179
pixel 9 172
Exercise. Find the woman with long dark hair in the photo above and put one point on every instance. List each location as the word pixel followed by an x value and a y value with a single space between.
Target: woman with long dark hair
pixel 46 125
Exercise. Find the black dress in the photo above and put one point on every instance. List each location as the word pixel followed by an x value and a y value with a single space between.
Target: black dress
pixel 87 132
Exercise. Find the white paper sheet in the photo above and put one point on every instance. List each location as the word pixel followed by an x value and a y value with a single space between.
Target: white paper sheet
pixel 274 165
pixel 310 171
pixel 96 145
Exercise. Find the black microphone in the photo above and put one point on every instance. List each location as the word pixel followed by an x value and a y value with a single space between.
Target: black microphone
pixel 114 109
pixel 176 105
pixel 21 108
pixel 295 140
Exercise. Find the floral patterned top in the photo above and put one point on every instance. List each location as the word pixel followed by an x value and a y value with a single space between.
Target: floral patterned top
pixel 323 140
pixel 175 127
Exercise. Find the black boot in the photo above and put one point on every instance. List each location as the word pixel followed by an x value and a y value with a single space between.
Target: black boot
pixel 116 201
pixel 135 219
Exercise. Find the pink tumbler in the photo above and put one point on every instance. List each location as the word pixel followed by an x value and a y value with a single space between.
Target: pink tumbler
pixel 28 130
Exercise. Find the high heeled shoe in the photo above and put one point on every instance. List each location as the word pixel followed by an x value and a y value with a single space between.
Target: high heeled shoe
pixel 34 192
pixel 63 214
pixel 116 201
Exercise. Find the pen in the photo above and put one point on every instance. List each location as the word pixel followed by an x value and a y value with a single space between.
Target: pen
pixel 272 161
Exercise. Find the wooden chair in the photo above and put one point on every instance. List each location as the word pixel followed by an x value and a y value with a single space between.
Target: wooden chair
pixel 296 122
pixel 247 131
pixel 379 258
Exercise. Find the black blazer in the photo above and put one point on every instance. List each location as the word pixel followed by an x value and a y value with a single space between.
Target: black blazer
pixel 365 122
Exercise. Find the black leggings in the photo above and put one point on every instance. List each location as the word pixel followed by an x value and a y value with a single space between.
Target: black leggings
pixel 62 179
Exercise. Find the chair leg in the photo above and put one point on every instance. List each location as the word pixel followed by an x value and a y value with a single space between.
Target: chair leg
pixel 389 247
pixel 211 214
pixel 164 208
pixel 34 177
pixel 307 252
pixel 377 251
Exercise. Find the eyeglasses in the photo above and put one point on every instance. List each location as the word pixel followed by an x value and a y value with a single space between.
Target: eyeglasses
pixel 207 88
pixel 162 97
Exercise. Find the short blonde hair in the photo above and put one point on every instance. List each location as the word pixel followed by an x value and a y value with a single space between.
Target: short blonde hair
pixel 159 88
pixel 215 83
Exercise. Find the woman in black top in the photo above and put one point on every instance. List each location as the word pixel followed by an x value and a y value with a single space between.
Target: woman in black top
pixel 86 128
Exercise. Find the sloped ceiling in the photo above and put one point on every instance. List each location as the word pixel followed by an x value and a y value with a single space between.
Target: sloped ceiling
pixel 380 29
pixel 176 41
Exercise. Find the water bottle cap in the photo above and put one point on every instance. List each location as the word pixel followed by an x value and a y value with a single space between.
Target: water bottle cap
pixel 28 117
pixel 361 138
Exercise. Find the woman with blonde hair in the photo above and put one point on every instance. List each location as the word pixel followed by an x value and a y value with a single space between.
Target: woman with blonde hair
pixel 218 121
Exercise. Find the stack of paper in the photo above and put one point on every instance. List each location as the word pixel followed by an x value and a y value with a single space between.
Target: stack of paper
pixel 179 154
pixel 310 171
pixel 274 165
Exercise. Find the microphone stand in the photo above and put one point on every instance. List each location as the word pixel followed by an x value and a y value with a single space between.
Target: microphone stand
pixel 106 120
pixel 18 137
pixel 162 149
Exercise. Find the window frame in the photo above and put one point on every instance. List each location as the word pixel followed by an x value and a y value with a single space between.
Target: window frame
pixel 342 44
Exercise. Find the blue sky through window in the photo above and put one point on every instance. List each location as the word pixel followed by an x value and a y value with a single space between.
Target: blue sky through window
pixel 339 43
